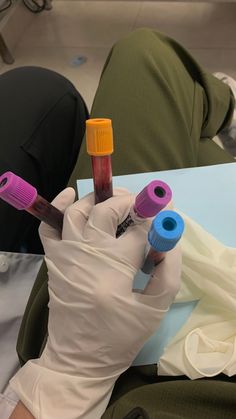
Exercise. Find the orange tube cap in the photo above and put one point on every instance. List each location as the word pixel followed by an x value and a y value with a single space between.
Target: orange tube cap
pixel 99 137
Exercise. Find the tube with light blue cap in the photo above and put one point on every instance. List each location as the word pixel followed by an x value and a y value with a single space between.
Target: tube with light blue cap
pixel 165 232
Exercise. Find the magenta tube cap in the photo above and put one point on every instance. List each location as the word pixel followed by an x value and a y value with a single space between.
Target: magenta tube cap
pixel 152 199
pixel 16 191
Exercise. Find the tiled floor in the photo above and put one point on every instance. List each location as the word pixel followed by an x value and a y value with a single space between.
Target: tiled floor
pixel 89 28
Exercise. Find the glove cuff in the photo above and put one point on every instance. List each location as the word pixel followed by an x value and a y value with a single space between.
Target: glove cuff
pixel 47 393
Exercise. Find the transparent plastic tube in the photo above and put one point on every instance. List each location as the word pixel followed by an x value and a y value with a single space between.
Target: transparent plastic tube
pixel 152 199
pixel 23 196
pixel 99 142
pixel 166 230
pixel 152 259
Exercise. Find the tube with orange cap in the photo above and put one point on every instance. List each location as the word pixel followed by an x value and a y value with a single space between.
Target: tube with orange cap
pixel 99 141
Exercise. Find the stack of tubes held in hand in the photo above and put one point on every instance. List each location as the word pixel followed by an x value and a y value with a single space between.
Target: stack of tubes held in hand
pixel 167 226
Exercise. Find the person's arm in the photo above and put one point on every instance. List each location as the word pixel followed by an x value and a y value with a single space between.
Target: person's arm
pixel 20 412
pixel 97 322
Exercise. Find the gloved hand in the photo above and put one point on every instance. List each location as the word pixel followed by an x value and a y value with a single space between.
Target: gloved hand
pixel 97 324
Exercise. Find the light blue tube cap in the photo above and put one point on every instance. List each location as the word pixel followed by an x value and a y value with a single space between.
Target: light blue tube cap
pixel 166 230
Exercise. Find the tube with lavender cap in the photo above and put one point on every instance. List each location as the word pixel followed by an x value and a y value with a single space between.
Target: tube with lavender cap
pixel 23 196
pixel 152 199
pixel 165 232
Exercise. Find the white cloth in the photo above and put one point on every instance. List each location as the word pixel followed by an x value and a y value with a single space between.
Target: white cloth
pixel 17 275
pixel 206 345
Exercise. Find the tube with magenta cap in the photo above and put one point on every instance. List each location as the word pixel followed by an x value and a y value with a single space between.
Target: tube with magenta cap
pixel 151 200
pixel 165 232
pixel 23 196
pixel 99 141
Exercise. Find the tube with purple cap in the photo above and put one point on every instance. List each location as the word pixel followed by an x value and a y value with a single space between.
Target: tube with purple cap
pixel 23 196
pixel 152 199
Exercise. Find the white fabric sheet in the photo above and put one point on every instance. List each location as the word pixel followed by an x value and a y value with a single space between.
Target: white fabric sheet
pixel 206 345
pixel 17 275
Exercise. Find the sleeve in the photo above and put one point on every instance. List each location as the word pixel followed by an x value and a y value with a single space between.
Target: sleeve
pixel 8 402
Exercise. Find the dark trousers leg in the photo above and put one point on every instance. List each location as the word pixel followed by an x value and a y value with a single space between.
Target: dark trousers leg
pixel 42 126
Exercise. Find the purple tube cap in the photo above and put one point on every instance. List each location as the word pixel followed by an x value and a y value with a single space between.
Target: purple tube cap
pixel 16 191
pixel 152 199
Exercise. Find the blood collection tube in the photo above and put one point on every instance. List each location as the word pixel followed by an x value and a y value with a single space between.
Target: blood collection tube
pixel 165 232
pixel 152 199
pixel 23 196
pixel 99 141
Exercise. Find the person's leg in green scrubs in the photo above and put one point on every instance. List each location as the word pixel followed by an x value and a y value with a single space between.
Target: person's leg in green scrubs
pixel 165 109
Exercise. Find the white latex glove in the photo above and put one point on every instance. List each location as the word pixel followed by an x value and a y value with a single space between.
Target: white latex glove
pixel 97 324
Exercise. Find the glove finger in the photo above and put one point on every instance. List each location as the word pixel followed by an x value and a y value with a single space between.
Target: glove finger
pixel 106 216
pixel 63 200
pixel 76 217
pixel 132 244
